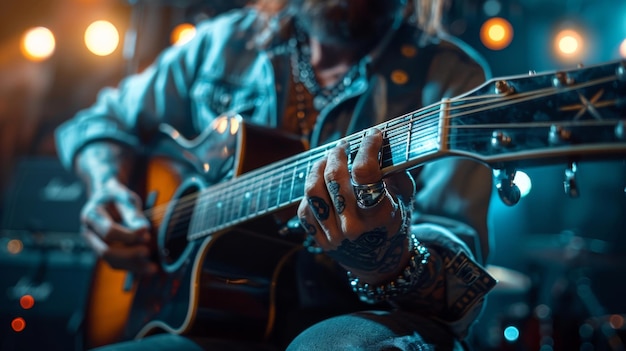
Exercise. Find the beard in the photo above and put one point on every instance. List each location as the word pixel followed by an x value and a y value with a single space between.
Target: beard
pixel 347 22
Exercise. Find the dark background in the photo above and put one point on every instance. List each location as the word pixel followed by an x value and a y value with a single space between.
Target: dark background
pixel 569 250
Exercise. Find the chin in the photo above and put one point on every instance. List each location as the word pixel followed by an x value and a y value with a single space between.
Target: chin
pixel 347 22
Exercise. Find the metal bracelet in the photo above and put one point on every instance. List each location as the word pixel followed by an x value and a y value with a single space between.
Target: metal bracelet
pixel 408 279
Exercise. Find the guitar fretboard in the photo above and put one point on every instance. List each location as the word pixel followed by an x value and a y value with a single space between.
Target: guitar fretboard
pixel 281 184
pixel 505 120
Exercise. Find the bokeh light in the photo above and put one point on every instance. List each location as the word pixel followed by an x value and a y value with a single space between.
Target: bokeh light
pixel 511 333
pixel 523 182
pixel 492 7
pixel 38 44
pixel 496 33
pixel 27 302
pixel 102 38
pixel 15 246
pixel 182 33
pixel 569 43
pixel 18 324
pixel 616 321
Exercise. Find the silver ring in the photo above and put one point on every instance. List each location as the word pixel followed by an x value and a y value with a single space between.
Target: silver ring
pixel 369 195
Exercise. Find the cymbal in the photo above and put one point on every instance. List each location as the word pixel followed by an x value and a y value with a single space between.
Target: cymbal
pixel 509 280
pixel 572 250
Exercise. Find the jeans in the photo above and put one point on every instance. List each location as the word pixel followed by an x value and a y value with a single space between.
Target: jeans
pixel 364 331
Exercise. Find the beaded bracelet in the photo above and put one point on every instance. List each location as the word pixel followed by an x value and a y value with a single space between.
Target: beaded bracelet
pixel 405 282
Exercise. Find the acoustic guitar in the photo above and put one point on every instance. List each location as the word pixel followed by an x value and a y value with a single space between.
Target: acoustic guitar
pixel 214 192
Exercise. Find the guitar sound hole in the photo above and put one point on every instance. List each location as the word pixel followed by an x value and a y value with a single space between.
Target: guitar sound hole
pixel 178 226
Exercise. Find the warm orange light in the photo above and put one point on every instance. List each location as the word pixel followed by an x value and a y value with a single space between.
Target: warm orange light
pixel 496 33
pixel 27 302
pixel 15 246
pixel 616 321
pixel 18 324
pixel 101 38
pixel 38 44
pixel 568 43
pixel 622 49
pixel 221 125
pixel 182 33
pixel 234 126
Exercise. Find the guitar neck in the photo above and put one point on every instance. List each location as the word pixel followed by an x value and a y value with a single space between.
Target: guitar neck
pixel 518 120
pixel 408 140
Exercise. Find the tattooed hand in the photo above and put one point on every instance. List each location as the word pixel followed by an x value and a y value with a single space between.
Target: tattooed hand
pixel 113 224
pixel 366 241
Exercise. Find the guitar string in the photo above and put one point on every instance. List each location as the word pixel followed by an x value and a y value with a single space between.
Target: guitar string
pixel 354 140
pixel 483 98
pixel 184 211
pixel 311 154
pixel 269 183
pixel 308 159
pixel 272 200
pixel 551 89
pixel 432 111
pixel 392 132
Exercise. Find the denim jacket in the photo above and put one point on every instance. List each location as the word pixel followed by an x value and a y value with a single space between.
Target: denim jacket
pixel 222 69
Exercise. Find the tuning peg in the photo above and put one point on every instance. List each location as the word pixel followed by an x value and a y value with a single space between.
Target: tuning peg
pixel 562 79
pixel 508 191
pixel 570 185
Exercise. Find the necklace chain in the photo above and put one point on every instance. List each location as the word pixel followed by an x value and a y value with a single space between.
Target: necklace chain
pixel 304 75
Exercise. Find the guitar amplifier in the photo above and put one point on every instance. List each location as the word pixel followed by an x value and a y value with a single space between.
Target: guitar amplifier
pixel 56 280
pixel 43 197
pixel 43 258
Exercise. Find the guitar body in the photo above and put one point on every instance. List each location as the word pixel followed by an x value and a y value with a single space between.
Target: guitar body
pixel 225 284
pixel 108 306
pixel 220 274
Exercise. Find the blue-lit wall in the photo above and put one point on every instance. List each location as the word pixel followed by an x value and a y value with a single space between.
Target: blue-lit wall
pixel 570 249
pixel 602 24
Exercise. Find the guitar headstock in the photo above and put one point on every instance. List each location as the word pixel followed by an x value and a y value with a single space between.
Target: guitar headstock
pixel 562 116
